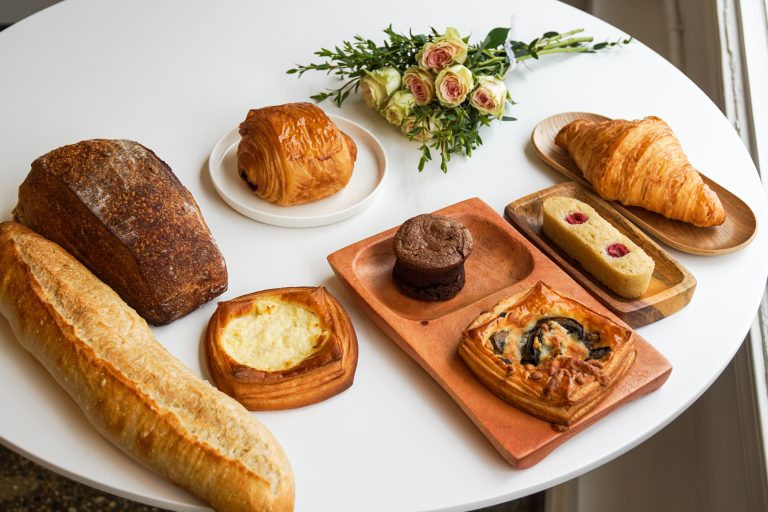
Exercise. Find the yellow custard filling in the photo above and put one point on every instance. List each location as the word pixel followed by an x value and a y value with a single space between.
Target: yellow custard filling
pixel 273 335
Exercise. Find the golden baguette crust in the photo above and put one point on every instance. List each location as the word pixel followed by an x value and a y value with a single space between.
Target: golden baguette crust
pixel 641 163
pixel 130 387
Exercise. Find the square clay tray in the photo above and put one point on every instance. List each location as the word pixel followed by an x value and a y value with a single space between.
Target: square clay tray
pixel 671 286
pixel 503 263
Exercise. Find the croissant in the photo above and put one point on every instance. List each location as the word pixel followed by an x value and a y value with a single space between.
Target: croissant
pixel 641 163
pixel 293 154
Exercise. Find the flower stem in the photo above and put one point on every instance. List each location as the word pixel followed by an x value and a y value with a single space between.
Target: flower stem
pixel 556 50
pixel 568 42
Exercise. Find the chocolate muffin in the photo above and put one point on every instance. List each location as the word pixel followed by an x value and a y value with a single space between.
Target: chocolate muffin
pixel 430 251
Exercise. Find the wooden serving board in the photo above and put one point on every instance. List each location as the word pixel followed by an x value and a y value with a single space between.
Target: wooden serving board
pixel 738 230
pixel 671 287
pixel 503 262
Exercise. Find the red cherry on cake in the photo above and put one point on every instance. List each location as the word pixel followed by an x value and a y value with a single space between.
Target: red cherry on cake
pixel 576 218
pixel 617 250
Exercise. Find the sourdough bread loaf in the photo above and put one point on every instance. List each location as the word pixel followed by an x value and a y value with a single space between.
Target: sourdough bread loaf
pixel 122 212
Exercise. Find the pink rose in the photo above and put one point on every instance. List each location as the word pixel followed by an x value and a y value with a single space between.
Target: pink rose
pixel 436 56
pixel 421 84
pixel 453 84
pixel 443 51
pixel 490 96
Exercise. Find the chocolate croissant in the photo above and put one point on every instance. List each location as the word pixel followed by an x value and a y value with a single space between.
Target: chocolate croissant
pixel 641 163
pixel 293 154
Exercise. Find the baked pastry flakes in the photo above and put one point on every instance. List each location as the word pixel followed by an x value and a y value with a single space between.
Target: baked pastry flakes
pixel 281 348
pixel 547 354
pixel 641 163
pixel 293 154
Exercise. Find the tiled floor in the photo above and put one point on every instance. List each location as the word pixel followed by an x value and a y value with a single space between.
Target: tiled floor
pixel 28 487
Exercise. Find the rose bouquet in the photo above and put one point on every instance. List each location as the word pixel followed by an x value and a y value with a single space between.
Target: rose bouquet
pixel 438 88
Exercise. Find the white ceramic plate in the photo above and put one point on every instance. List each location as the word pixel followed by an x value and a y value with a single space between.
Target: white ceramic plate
pixel 367 177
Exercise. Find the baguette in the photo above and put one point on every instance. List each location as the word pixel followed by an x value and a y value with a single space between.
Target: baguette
pixel 130 387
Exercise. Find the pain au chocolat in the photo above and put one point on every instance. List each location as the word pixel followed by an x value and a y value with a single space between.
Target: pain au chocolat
pixel 547 354
pixel 294 154
pixel 281 348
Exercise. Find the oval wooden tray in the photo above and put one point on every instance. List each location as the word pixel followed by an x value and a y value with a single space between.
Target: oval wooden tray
pixel 671 287
pixel 502 263
pixel 736 233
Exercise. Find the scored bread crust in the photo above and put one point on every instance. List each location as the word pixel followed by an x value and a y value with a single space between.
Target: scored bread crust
pixel 133 391
pixel 326 372
pixel 560 390
pixel 120 210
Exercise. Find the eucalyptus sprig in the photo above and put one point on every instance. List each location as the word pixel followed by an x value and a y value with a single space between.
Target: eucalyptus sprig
pixel 437 87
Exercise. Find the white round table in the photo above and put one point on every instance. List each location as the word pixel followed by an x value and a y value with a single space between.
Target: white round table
pixel 177 75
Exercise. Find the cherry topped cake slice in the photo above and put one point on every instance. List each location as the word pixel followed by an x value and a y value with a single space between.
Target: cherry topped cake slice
pixel 615 260
pixel 547 354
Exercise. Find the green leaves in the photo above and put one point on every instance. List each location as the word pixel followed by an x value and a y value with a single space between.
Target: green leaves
pixel 351 59
pixel 555 42
pixel 458 131
pixel 453 129
pixel 495 38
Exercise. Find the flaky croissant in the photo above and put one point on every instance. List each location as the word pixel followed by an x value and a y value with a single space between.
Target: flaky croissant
pixel 293 154
pixel 641 163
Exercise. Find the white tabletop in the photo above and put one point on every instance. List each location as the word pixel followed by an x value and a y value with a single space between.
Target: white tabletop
pixel 177 75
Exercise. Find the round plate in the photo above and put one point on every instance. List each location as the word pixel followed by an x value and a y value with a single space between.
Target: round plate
pixel 367 177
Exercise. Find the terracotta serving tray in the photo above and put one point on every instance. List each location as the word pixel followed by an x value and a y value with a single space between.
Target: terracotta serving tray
pixel 738 230
pixel 503 262
pixel 671 286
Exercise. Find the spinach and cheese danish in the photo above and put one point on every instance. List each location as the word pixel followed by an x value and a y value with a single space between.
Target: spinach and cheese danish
pixel 547 354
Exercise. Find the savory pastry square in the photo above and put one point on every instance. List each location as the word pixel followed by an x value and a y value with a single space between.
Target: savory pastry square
pixel 547 354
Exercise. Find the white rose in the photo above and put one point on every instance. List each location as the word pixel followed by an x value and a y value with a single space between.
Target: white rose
pixel 490 96
pixel 377 86
pixel 399 107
